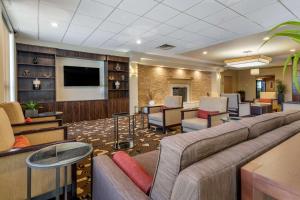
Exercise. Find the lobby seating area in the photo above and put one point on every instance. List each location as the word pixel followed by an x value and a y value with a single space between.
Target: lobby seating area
pixel 149 100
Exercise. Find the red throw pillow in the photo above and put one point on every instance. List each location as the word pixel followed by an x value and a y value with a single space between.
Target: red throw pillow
pixel 204 114
pixel 265 100
pixel 28 120
pixel 21 141
pixel 133 170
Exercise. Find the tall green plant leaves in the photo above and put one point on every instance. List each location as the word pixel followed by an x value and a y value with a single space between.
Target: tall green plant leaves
pixel 291 23
pixel 295 71
pixel 286 64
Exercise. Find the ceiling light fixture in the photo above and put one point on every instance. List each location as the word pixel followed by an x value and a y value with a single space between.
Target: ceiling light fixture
pixel 204 52
pixel 266 38
pixel 145 58
pixel 292 50
pixel 254 71
pixel 248 61
pixel 139 41
pixel 54 24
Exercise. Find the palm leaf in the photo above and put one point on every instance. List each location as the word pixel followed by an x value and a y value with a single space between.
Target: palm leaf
pixel 295 71
pixel 292 34
pixel 292 23
pixel 286 63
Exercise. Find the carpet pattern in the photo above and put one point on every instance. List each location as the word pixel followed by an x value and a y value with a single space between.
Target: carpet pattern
pixel 100 133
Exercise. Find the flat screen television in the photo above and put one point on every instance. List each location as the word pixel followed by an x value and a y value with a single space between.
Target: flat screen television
pixel 81 76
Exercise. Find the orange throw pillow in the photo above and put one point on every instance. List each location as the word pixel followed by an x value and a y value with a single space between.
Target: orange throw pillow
pixel 28 120
pixel 21 142
pixel 204 114
pixel 265 100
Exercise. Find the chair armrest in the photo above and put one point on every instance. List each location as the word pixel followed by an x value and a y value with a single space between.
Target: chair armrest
pixel 45 135
pixel 153 109
pixel 111 183
pixel 189 113
pixel 36 125
pixel 172 116
pixel 31 148
pixel 216 119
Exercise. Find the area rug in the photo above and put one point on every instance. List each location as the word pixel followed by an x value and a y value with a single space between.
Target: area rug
pixel 100 133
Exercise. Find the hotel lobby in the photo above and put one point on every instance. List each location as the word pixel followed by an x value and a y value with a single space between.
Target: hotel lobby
pixel 149 99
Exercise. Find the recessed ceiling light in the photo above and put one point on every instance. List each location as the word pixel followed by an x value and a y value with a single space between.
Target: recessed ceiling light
pixel 292 50
pixel 54 24
pixel 266 38
pixel 247 51
pixel 139 41
pixel 204 52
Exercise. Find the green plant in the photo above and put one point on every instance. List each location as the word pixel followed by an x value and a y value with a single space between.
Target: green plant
pixel 293 34
pixel 281 88
pixel 31 105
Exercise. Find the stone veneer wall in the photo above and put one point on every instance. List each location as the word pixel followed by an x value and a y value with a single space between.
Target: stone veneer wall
pixel 158 80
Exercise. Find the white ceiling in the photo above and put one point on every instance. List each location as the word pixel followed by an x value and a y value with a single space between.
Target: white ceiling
pixel 117 24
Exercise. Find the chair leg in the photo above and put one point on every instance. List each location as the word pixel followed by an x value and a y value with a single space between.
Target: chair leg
pixel 164 130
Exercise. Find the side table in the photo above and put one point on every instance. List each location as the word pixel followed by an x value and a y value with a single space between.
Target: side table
pixel 57 156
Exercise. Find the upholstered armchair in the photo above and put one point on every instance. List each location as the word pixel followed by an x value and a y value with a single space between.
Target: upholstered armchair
pixel 167 115
pixel 215 108
pixel 17 119
pixel 268 98
pixel 15 148
pixel 236 108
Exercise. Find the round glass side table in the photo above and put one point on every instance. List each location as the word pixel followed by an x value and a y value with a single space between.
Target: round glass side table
pixel 57 156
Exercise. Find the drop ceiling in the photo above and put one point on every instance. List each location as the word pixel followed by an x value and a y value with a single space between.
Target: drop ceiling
pixel 118 24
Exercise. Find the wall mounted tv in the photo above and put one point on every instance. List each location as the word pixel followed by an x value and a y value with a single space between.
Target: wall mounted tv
pixel 81 76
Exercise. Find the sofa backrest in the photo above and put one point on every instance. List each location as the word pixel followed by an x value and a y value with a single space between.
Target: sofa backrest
pixel 182 150
pixel 173 101
pixel 263 123
pixel 6 133
pixel 213 103
pixel 233 99
pixel 290 116
pixel 268 95
pixel 14 112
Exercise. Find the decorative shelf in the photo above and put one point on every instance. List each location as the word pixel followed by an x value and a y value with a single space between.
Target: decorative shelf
pixel 118 71
pixel 118 89
pixel 25 77
pixel 38 65
pixel 119 80
pixel 42 90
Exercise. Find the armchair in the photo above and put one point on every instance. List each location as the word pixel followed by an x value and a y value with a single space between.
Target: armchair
pixel 237 108
pixel 13 168
pixel 167 115
pixel 190 120
pixel 268 98
pixel 17 119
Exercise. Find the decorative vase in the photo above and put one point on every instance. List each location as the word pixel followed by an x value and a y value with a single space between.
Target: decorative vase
pixel 31 113
pixel 280 98
pixel 151 103
pixel 118 68
pixel 123 77
pixel 36 84
pixel 35 60
pixel 117 84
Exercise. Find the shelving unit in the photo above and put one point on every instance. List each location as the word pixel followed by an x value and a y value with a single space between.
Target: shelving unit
pixel 31 65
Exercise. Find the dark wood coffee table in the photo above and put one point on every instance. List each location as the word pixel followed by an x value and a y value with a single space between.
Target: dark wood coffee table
pixel 259 109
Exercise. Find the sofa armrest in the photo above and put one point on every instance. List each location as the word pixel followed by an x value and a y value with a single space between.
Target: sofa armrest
pixel 189 113
pixel 36 125
pixel 153 109
pixel 46 135
pixel 216 119
pixel 111 183
pixel 172 116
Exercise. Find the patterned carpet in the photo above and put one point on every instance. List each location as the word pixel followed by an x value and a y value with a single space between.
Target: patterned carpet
pixel 100 133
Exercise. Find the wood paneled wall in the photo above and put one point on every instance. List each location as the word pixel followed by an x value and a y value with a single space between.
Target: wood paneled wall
pixel 75 111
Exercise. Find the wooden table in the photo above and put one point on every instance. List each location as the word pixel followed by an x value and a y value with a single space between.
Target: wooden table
pixel 259 109
pixel 275 173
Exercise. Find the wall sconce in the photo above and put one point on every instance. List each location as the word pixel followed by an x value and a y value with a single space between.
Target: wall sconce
pixel 254 72
pixel 218 76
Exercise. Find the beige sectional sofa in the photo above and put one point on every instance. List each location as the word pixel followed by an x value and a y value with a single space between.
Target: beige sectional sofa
pixel 200 165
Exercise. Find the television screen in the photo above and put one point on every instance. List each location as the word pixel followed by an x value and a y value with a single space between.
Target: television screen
pixel 81 76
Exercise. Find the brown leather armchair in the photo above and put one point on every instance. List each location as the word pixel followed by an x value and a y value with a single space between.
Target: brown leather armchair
pixel 17 119
pixel 13 168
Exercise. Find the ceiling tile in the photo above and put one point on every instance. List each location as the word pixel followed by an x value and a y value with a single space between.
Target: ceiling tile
pixel 205 8
pixel 144 24
pixel 111 26
pixel 63 4
pixel 198 26
pixel 111 44
pixel 271 15
pixel 247 6
pixel 98 38
pixel 229 2
pixel 94 9
pixel 76 38
pixel 180 4
pixel 293 5
pixel 122 17
pixel 177 34
pixel 133 32
pixel 181 20
pixel 221 16
pixel 162 13
pixel 139 7
pixel 48 33
pixel 216 33
pixel 50 13
pixel 241 25
pixel 86 21
pixel 164 29
pixel 122 37
pixel 109 2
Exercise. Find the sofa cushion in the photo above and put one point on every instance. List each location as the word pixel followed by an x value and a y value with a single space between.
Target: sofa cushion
pixel 156 116
pixel 21 142
pixel 263 123
pixel 182 150
pixel 133 170
pixel 290 116
pixel 148 161
pixel 204 114
pixel 194 123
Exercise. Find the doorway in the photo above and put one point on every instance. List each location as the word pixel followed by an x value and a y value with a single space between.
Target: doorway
pixel 228 88
pixel 265 84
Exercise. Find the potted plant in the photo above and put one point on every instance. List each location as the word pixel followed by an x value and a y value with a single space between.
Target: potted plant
pixel 293 34
pixel 31 109
pixel 281 89
pixel 150 96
